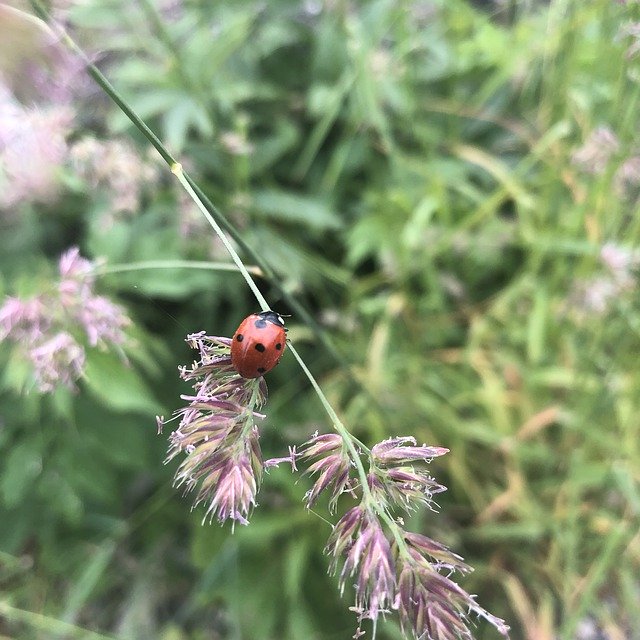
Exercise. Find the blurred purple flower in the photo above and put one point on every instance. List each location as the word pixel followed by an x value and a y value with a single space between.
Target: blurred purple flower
pixel 115 166
pixel 102 320
pixel 49 329
pixel 594 155
pixel 32 150
pixel 620 261
pixel 597 294
pixel 58 361
pixel 24 320
pixel 217 432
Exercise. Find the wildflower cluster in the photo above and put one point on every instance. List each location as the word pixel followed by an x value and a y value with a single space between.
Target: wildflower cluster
pixel 115 166
pixel 598 294
pixel 390 568
pixel 37 134
pixel 599 152
pixel 51 330
pixel 218 434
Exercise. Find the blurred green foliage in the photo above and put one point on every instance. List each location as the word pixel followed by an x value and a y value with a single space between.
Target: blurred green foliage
pixel 409 171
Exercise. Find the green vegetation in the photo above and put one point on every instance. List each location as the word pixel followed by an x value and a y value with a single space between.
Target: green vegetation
pixel 451 190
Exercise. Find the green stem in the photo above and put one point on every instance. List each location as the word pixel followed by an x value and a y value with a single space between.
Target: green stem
pixel 48 625
pixel 172 264
pixel 346 436
pixel 176 169
pixel 350 442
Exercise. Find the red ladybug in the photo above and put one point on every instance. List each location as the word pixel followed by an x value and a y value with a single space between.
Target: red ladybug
pixel 258 343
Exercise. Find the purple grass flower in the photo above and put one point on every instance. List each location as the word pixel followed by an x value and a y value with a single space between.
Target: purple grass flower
pixel 405 487
pixel 443 556
pixel 398 450
pixel 291 459
pixel 392 569
pixel 358 540
pixel 332 467
pixel 217 432
pixel 432 606
pixel 52 329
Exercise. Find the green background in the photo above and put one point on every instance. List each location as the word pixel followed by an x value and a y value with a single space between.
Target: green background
pixel 408 171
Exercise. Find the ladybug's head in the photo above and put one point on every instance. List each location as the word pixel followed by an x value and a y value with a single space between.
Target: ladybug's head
pixel 273 317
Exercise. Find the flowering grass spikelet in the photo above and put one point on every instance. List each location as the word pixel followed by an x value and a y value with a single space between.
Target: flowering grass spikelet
pixel 391 569
pixel 218 434
pixel 332 467
pixel 368 554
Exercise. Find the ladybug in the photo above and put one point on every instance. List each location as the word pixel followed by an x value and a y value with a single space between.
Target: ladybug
pixel 258 344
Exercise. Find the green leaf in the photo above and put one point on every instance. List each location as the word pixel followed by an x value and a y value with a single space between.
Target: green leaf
pixel 22 466
pixel 116 385
pixel 295 208
pixel 84 584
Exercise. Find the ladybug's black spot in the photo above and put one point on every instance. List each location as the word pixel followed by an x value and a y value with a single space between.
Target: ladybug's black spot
pixel 260 347
pixel 239 337
pixel 260 323
pixel 278 346
pixel 261 369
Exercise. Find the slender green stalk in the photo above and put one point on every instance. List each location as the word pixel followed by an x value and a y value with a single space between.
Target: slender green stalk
pixel 48 625
pixel 346 436
pixel 172 264
pixel 176 169
pixel 350 441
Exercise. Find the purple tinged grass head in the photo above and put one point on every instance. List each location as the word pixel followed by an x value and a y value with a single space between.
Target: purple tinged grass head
pixel 331 467
pixel 431 605
pixel 367 559
pixel 217 433
pixel 395 481
pixel 392 569
pixel 404 449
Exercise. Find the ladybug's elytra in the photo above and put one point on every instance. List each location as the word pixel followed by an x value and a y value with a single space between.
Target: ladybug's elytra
pixel 258 343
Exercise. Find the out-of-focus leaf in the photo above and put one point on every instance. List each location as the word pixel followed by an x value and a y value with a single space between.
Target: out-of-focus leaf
pixel 116 385
pixel 22 466
pixel 294 208
pixel 86 582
